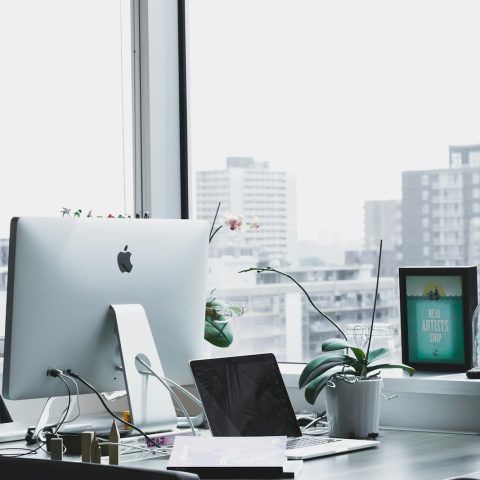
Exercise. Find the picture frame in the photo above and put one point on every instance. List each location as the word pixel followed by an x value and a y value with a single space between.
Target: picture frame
pixel 436 308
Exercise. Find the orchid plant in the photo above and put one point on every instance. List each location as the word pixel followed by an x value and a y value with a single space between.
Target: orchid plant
pixel 339 360
pixel 235 223
pixel 218 313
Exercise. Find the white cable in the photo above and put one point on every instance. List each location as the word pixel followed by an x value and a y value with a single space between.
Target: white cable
pixel 185 391
pixel 174 395
pixel 198 419
pixel 313 422
pixel 78 398
pixel 167 450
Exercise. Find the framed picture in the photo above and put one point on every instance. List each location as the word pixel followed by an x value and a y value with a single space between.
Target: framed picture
pixel 436 308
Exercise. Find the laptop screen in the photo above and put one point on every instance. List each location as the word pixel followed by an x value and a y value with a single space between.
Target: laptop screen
pixel 245 396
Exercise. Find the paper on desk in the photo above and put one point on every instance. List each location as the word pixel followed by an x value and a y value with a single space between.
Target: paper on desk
pixel 228 452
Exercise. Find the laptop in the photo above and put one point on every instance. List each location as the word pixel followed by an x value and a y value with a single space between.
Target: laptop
pixel 246 396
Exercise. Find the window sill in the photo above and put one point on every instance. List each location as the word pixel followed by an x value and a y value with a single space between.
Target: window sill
pixel 426 401
pixel 400 382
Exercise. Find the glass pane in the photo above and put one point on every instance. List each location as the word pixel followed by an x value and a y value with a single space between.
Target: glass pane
pixel 337 123
pixel 66 115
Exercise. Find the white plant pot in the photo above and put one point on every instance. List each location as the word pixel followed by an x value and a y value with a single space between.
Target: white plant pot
pixel 353 409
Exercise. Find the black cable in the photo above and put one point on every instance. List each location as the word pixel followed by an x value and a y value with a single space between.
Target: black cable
pixel 114 415
pixel 30 451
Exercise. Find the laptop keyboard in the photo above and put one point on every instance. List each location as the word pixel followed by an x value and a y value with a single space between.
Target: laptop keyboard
pixel 301 442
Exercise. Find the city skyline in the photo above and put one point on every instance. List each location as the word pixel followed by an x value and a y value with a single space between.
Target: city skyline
pixel 336 93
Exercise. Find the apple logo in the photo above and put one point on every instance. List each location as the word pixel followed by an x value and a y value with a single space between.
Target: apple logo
pixel 123 260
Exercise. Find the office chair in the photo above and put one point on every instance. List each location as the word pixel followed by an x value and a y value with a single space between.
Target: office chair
pixel 22 467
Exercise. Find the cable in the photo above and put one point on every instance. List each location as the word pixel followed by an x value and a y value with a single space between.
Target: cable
pixel 201 417
pixel 39 441
pixel 174 395
pixel 65 412
pixel 27 451
pixel 155 450
pixel 78 399
pixel 184 390
pixel 315 420
pixel 107 408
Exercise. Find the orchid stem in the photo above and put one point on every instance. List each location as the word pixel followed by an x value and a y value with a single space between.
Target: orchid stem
pixel 214 233
pixel 374 308
pixel 213 224
pixel 269 269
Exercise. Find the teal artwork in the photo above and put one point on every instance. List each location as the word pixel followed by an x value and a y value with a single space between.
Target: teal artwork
pixel 435 319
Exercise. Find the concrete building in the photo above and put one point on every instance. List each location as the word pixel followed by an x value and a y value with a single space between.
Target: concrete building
pixel 250 188
pixel 388 266
pixel 440 209
pixel 382 220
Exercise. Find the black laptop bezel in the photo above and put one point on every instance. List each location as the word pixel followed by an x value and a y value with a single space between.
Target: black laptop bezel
pixel 261 358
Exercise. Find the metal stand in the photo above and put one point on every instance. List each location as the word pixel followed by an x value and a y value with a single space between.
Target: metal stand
pixel 150 403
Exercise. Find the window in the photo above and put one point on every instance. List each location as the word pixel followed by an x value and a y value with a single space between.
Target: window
pixel 66 115
pixel 321 118
pixel 474 159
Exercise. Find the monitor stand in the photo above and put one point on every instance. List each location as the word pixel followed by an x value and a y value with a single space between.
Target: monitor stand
pixel 151 406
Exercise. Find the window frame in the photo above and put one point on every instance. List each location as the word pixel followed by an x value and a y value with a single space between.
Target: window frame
pixel 160 108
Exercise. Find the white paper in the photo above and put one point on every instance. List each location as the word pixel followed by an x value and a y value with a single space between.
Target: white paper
pixel 228 452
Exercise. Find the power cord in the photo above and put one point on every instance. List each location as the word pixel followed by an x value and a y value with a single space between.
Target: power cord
pixel 164 381
pixel 71 373
pixel 67 410
pixel 310 428
pixel 40 443
pixel 79 412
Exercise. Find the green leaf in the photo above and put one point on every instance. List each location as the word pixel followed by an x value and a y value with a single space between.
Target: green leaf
pixel 316 386
pixel 218 334
pixel 377 354
pixel 321 364
pixel 339 344
pixel 334 344
pixel 410 370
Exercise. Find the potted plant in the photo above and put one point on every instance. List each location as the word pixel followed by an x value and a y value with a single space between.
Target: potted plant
pixel 349 374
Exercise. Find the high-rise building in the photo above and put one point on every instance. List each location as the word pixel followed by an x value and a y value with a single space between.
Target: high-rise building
pixel 382 221
pixel 440 211
pixel 250 188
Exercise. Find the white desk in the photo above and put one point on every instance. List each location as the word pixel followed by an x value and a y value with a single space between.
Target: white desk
pixel 401 456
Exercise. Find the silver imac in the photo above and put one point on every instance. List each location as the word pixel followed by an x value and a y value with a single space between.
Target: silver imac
pixel 65 273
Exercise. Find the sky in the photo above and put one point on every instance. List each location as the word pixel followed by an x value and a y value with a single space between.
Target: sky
pixel 346 94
